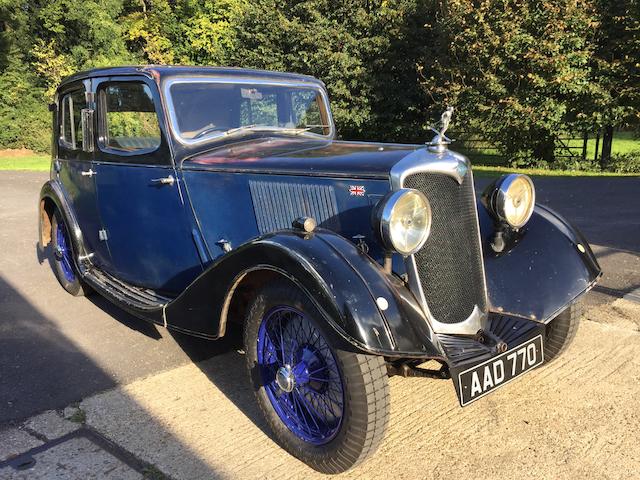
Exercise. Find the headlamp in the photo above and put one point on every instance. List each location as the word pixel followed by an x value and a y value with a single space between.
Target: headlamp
pixel 404 220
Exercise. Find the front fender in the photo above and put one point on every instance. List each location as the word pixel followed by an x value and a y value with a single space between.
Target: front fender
pixel 344 283
pixel 547 269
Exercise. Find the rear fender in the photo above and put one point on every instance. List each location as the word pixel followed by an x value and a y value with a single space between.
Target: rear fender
pixel 366 309
pixel 52 193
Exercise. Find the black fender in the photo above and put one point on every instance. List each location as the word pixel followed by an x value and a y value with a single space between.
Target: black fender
pixel 344 283
pixel 53 192
pixel 545 267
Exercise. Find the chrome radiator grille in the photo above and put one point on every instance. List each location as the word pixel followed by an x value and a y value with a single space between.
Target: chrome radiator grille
pixel 450 265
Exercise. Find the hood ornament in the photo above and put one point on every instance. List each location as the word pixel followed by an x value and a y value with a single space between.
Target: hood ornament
pixel 440 141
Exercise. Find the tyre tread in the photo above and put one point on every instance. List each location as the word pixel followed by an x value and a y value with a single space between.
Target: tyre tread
pixel 562 330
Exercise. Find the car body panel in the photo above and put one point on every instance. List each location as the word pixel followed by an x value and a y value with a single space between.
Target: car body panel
pixel 300 156
pixel 82 195
pixel 249 205
pixel 177 252
pixel 342 281
pixel 159 253
pixel 545 271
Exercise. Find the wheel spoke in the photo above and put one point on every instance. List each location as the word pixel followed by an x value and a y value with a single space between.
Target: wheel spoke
pixel 313 413
pixel 293 352
pixel 300 400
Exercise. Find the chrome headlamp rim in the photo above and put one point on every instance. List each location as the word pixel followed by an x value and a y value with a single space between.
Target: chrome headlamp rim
pixel 500 197
pixel 384 217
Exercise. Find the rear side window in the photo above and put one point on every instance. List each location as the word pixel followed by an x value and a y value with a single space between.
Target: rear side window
pixel 71 125
pixel 130 123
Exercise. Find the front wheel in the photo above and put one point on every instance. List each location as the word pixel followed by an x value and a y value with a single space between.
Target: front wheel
pixel 560 332
pixel 326 406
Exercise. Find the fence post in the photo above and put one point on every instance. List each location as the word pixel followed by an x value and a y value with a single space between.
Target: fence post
pixel 585 140
pixel 595 156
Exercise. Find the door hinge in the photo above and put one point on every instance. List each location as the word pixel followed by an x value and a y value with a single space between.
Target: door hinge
pixel 102 235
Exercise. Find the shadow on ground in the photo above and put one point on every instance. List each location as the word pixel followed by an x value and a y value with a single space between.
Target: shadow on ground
pixel 61 359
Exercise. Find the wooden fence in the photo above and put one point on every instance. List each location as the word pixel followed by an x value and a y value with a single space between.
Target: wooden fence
pixel 568 147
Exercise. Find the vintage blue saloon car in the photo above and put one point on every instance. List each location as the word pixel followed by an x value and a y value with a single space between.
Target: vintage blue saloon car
pixel 197 198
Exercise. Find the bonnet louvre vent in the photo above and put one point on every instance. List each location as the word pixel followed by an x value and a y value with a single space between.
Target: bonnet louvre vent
pixel 277 204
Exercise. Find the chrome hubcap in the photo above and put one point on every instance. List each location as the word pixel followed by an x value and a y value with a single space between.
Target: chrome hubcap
pixel 285 379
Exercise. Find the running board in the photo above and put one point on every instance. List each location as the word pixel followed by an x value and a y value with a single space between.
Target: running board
pixel 141 300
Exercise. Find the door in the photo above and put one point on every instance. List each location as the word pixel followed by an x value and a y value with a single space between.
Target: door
pixel 76 170
pixel 147 222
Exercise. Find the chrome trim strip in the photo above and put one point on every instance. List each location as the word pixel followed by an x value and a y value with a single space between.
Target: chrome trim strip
pixel 456 166
pixel 173 124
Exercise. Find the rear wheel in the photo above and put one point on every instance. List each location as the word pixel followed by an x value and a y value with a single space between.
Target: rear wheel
pixel 560 332
pixel 326 406
pixel 63 264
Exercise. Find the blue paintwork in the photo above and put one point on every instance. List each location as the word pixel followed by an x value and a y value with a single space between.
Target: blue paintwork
pixel 148 227
pixel 81 192
pixel 232 216
pixel 66 262
pixel 303 156
pixel 289 341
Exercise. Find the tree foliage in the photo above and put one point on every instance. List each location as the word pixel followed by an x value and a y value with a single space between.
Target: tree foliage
pixel 517 71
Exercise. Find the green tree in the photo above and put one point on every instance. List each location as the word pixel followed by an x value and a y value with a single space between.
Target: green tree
pixel 520 72
pixel 617 68
pixel 24 119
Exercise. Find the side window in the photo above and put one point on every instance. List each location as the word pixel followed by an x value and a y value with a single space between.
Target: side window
pixel 71 125
pixel 129 120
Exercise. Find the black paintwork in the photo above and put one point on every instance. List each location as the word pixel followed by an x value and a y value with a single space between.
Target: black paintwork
pixel 542 271
pixel 342 281
pixel 344 284
pixel 168 71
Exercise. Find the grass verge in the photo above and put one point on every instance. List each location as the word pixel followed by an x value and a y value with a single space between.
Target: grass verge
pixel 491 171
pixel 34 161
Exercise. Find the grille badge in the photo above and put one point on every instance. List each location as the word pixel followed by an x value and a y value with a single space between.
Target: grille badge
pixel 462 169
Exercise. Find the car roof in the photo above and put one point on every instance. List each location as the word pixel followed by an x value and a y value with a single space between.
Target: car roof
pixel 164 71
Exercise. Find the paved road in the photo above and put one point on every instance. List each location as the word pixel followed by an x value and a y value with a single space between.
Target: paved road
pixel 55 349
pixel 606 209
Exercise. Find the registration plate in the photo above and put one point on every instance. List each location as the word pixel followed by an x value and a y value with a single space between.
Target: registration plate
pixel 481 379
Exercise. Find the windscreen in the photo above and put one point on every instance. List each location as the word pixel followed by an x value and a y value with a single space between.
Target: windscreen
pixel 208 109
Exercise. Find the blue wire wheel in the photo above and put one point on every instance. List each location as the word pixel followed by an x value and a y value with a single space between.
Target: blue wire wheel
pixel 300 375
pixel 63 253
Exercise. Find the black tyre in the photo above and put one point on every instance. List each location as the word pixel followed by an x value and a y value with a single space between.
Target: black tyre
pixel 62 261
pixel 561 331
pixel 326 406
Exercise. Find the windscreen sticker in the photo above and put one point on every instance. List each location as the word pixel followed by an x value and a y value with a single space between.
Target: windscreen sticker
pixel 251 93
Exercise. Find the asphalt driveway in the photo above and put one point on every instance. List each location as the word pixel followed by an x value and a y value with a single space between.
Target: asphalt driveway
pixel 56 349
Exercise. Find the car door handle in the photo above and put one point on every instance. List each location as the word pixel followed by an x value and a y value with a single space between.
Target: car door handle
pixel 164 181
pixel 88 173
